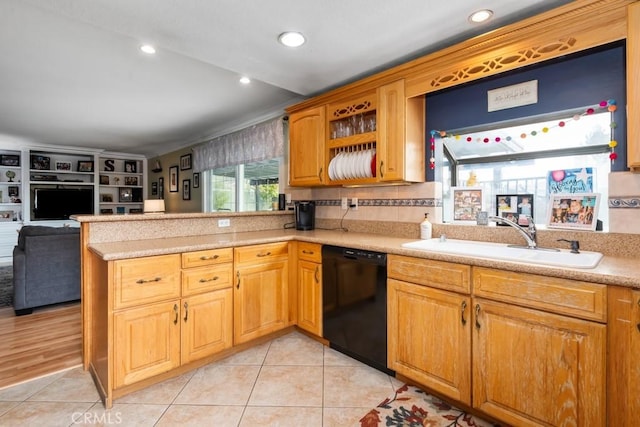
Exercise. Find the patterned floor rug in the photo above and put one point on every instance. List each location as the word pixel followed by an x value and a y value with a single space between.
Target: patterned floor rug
pixel 6 286
pixel 412 407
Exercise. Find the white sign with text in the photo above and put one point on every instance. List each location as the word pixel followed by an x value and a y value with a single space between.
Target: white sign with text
pixel 512 96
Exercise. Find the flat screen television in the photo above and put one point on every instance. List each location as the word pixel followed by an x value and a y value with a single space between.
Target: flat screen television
pixel 60 203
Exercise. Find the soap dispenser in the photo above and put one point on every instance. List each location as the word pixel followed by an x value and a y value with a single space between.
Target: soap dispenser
pixel 425 228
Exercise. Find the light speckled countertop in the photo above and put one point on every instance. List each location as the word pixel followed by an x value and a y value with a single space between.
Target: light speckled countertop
pixel 611 270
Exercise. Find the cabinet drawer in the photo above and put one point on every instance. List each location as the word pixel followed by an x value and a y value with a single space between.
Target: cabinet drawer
pixel 208 278
pixel 437 274
pixel 563 296
pixel 259 253
pixel 208 257
pixel 143 280
pixel 310 252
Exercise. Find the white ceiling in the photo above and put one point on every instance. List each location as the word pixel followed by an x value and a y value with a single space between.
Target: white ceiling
pixel 71 73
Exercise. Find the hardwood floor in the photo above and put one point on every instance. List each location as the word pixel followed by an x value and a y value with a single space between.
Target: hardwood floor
pixel 47 341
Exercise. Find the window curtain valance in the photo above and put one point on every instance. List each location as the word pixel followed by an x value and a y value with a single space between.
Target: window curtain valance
pixel 253 144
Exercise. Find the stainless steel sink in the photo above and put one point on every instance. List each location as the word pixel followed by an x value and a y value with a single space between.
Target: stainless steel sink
pixel 500 251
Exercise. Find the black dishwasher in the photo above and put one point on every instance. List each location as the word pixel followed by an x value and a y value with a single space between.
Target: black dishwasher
pixel 354 299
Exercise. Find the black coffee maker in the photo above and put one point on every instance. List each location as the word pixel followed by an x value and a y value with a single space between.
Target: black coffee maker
pixel 305 215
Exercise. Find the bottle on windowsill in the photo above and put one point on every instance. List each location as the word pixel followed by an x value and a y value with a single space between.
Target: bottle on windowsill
pixel 425 228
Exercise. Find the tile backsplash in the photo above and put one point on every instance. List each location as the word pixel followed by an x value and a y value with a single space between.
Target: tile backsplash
pixel 409 203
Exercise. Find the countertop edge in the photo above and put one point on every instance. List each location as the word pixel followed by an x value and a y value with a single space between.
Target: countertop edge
pixel 611 270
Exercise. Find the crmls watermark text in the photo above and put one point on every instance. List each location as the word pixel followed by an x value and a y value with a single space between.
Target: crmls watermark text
pixel 89 418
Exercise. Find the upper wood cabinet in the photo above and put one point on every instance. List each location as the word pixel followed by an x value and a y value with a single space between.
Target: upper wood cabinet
pixel 571 28
pixel 401 140
pixel 375 137
pixel 306 147
pixel 633 86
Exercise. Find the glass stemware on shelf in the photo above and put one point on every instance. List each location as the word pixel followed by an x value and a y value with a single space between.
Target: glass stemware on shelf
pixel 353 125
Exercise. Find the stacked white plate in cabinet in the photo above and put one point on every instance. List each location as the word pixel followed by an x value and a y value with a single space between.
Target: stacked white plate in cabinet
pixel 351 165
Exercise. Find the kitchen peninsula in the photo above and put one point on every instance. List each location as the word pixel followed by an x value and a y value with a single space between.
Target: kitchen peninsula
pixel 164 273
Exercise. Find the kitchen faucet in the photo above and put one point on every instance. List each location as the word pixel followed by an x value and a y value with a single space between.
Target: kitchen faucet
pixel 529 234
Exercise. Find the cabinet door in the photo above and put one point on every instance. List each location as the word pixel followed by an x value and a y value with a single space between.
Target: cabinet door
pixel 532 368
pixel 306 147
pixel 207 321
pixel 260 299
pixel 623 369
pixel 146 342
pixel 429 335
pixel 633 86
pixel 310 297
pixel 391 118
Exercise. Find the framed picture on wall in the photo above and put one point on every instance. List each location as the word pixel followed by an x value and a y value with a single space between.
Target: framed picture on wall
pixel 196 180
pixel 161 187
pixel 185 162
pixel 154 188
pixel 467 202
pixel 186 189
pixel 173 179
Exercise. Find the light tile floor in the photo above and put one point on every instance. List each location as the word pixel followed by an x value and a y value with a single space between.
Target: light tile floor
pixel 289 381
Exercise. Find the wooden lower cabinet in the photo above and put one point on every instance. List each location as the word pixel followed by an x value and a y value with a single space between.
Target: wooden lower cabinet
pixel 154 339
pixel 532 368
pixel 207 321
pixel 309 277
pixel 154 314
pixel 260 293
pixel 429 335
pixel 519 353
pixel 623 371
pixel 146 342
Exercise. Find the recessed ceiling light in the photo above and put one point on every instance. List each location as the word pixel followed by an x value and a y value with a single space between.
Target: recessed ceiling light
pixel 147 48
pixel 481 16
pixel 291 39
pixel 245 80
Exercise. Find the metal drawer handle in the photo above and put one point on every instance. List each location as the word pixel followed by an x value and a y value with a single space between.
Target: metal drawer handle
pixel 382 169
pixel 263 255
pixel 175 309
pixel 320 175
pixel 204 258
pixel 477 314
pixel 463 309
pixel 315 274
pixel 214 278
pixel 238 285
pixel 141 281
pixel 186 311
pixel 304 251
